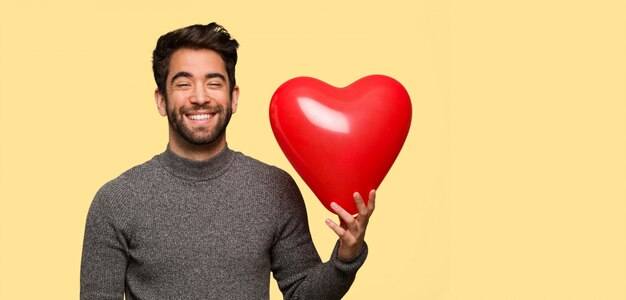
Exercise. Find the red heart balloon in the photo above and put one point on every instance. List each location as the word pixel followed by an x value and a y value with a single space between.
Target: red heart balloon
pixel 341 140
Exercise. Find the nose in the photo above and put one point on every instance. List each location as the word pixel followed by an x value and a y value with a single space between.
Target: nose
pixel 200 96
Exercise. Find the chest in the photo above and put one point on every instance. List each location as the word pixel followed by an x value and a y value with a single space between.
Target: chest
pixel 199 229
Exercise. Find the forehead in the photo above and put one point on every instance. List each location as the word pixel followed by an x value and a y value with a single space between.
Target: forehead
pixel 197 62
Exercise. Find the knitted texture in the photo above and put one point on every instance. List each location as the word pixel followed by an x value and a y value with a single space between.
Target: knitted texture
pixel 174 228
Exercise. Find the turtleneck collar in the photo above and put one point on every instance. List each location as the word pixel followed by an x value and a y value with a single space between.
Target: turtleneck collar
pixel 195 170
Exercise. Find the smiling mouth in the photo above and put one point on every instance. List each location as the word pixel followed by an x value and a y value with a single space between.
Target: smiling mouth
pixel 199 117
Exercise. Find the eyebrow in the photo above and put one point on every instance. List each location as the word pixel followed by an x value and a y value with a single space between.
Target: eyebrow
pixel 215 75
pixel 181 74
pixel 207 76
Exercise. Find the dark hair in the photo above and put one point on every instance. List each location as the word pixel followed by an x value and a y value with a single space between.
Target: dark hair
pixel 211 36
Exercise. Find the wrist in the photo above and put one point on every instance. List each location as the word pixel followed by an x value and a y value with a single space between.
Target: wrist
pixel 348 253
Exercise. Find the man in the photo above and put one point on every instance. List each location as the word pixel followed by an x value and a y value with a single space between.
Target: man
pixel 201 221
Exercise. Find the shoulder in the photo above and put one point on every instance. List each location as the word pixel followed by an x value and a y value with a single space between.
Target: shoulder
pixel 257 170
pixel 268 181
pixel 118 191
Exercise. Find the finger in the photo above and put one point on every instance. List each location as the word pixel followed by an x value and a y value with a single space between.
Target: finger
pixel 343 224
pixel 344 215
pixel 336 228
pixel 360 205
pixel 371 202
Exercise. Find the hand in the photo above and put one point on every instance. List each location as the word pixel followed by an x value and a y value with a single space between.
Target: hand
pixel 351 232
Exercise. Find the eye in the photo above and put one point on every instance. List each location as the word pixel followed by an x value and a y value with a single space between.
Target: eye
pixel 214 85
pixel 182 85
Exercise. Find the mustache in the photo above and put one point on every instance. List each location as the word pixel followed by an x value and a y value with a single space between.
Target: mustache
pixel 196 107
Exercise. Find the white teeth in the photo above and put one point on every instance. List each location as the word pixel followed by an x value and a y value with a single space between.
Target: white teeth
pixel 199 117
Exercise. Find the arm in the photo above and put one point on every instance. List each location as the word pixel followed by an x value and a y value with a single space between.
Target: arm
pixel 104 260
pixel 296 264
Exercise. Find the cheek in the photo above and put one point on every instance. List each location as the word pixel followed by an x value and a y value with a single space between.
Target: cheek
pixel 217 95
pixel 176 99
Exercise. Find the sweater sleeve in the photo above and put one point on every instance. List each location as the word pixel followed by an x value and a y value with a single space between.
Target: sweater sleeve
pixel 104 259
pixel 296 265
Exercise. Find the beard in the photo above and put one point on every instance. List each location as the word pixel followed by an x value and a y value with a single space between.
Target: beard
pixel 202 135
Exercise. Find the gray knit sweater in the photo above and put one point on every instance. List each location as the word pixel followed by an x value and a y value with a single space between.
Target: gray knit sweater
pixel 173 228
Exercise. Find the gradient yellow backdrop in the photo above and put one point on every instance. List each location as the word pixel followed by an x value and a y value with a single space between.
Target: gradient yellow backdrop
pixel 511 185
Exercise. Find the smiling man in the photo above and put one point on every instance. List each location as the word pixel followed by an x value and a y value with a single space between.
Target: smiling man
pixel 201 221
pixel 198 102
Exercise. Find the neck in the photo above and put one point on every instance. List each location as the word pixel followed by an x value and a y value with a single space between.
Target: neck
pixel 196 170
pixel 184 149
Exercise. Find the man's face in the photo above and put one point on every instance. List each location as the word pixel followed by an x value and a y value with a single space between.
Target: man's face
pixel 198 104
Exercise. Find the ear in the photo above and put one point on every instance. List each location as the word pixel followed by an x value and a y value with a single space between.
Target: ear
pixel 160 102
pixel 234 98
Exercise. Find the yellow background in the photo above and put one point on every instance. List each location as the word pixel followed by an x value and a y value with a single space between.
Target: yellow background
pixel 511 185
